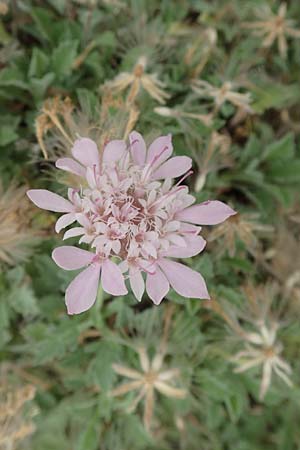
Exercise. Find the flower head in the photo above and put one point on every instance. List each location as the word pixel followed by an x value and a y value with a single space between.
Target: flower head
pixel 138 80
pixel 256 326
pixel 128 211
pixel 241 227
pixel 222 94
pixel 262 348
pixel 153 377
pixel 274 27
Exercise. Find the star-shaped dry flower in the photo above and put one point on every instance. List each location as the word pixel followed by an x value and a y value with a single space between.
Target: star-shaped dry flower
pixel 222 94
pixel 262 348
pixel 274 27
pixel 241 227
pixel 151 377
pixel 138 80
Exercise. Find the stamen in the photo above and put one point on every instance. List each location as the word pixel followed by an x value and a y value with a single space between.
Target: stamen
pixel 159 155
pixel 156 157
pixel 184 177
pixel 168 194
pixel 132 143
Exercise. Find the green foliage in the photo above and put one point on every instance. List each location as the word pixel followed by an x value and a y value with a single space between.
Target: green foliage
pixel 60 48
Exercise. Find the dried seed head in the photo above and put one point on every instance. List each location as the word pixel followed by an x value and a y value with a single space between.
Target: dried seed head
pixel 15 414
pixel 16 236
pixel 152 377
pixel 242 227
pixel 137 80
pixel 274 27
pixel 3 8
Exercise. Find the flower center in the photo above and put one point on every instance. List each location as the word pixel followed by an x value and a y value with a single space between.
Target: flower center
pixel 127 211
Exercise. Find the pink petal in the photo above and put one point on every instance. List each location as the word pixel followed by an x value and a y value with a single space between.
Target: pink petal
pixel 72 258
pixel 194 245
pixel 48 200
pixel 76 231
pixel 160 150
pixel 207 213
pixel 137 283
pixel 188 229
pixel 86 152
pixel 176 239
pixel 112 279
pixel 64 221
pixel 184 281
pixel 69 165
pixel 173 168
pixel 113 151
pixel 157 286
pixel 138 148
pixel 188 200
pixel 82 291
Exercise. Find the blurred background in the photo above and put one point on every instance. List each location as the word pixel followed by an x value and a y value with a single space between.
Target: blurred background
pixel 223 78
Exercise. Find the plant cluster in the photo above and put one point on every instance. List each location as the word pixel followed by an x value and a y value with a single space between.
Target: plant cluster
pixel 151 357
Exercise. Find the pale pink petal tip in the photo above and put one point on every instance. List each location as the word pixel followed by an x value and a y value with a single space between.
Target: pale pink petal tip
pixel 112 279
pixel 69 165
pixel 86 152
pixel 138 148
pixel 159 151
pixel 81 293
pixel 184 281
pixel 64 221
pixel 211 212
pixel 45 199
pixel 114 150
pixel 173 168
pixel 195 245
pixel 137 284
pixel 157 286
pixel 72 258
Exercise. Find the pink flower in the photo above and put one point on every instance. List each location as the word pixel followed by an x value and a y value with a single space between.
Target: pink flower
pixel 134 219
